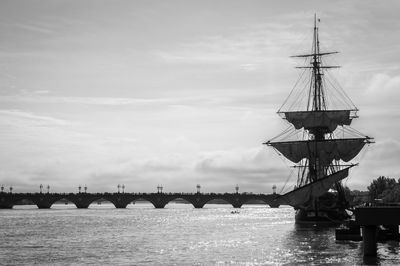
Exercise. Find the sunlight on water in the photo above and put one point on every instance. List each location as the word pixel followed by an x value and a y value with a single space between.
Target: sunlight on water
pixel 178 234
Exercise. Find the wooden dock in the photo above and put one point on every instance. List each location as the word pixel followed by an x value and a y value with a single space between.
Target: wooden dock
pixel 370 218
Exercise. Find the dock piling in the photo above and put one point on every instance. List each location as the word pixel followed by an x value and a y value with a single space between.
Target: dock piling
pixel 369 240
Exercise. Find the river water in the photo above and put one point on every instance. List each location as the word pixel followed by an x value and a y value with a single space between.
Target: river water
pixel 176 235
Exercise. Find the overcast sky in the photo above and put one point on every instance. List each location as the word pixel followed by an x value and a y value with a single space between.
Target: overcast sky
pixel 177 93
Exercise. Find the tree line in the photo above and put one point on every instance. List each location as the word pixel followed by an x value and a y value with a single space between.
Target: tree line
pixel 382 189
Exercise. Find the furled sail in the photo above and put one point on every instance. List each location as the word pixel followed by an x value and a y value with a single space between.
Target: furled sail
pixel 299 196
pixel 326 151
pixel 329 119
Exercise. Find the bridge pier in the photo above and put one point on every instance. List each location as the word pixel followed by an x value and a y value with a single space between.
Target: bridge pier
pixel 42 203
pixel 120 206
pixel 273 205
pixel 5 202
pixel 82 206
pixel 43 206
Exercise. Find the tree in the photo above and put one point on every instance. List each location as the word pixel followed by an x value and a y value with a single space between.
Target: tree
pixel 379 185
pixel 391 195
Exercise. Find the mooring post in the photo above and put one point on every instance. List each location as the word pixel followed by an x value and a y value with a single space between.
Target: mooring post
pixel 393 231
pixel 369 240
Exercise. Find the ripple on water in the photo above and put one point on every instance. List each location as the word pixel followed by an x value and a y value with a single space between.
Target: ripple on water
pixel 179 235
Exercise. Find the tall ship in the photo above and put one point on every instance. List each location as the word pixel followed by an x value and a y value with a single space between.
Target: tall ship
pixel 318 140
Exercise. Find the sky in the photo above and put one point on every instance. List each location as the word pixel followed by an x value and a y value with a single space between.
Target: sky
pixel 179 93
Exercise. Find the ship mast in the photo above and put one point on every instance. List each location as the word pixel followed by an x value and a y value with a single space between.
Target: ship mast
pixel 317 101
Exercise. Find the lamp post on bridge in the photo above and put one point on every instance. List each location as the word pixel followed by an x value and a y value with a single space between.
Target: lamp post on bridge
pixel 158 188
pixel 161 188
pixel 79 189
pixel 2 188
pixel 237 189
pixel 85 188
pixel 274 189
pixel 119 186
pixel 41 188
pixel 198 188
pixel 48 189
pixel 11 189
pixel 123 188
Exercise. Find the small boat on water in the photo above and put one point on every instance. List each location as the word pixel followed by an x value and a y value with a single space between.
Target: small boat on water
pixel 319 140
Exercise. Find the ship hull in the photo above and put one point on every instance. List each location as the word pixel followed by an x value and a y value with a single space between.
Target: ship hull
pixel 324 217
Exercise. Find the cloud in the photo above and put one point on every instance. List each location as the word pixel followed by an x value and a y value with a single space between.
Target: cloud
pixel 35 98
pixel 41 92
pixel 28 117
pixel 384 87
pixel 249 67
pixel 381 158
pixel 255 167
pixel 246 47
pixel 30 27
pixel 34 28
pixel 231 98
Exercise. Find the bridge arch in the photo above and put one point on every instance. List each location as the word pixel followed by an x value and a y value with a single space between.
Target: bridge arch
pixel 267 200
pixel 23 201
pixel 61 200
pixel 42 201
pixel 254 199
pixel 149 199
pixel 223 198
pixel 119 200
pixel 100 201
pixel 82 200
pixel 184 198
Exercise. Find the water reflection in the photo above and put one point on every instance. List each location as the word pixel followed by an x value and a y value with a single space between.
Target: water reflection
pixel 317 245
pixel 179 234
pixel 372 260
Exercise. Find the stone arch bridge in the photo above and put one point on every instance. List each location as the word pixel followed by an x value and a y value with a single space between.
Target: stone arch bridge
pixel 121 200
